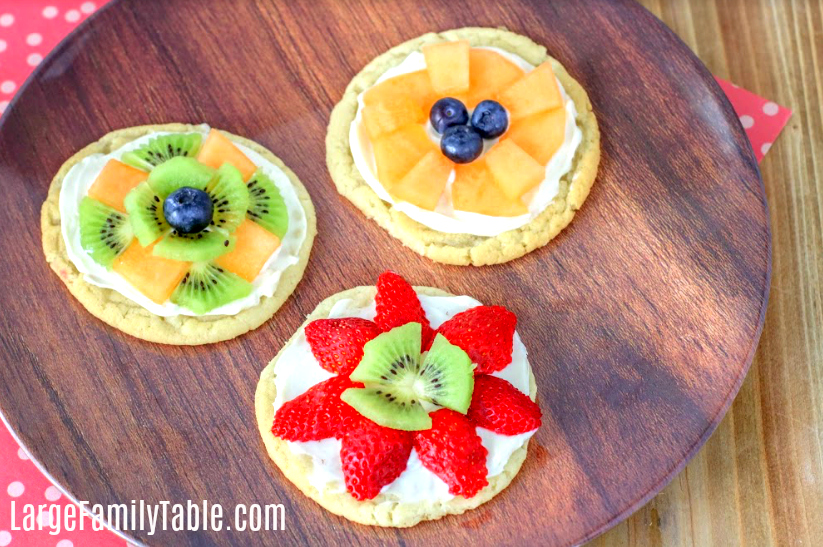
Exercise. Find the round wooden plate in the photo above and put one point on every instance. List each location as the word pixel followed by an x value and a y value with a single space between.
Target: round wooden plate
pixel 641 318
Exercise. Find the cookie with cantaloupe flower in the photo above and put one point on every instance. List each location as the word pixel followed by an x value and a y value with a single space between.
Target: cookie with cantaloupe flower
pixel 499 110
pixel 177 226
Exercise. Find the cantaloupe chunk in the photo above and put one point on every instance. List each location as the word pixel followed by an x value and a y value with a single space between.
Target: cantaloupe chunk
pixel 474 190
pixel 424 184
pixel 535 92
pixel 115 181
pixel 396 153
pixel 489 72
pixel 254 246
pixel 514 171
pixel 218 149
pixel 391 114
pixel 154 276
pixel 415 85
pixel 541 134
pixel 448 66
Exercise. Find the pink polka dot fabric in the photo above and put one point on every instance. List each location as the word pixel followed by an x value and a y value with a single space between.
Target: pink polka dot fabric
pixel 28 31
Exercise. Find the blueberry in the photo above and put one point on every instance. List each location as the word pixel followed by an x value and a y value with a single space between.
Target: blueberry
pixel 448 112
pixel 188 210
pixel 461 144
pixel 490 119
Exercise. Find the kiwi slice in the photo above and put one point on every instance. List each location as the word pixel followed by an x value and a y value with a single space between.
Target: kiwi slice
pixel 163 148
pixel 400 390
pixel 104 231
pixel 199 247
pixel 208 286
pixel 230 197
pixel 145 210
pixel 178 172
pixel 266 206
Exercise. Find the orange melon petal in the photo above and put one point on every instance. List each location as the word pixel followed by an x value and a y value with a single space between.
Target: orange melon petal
pixel 514 171
pixel 424 184
pixel 391 114
pixel 535 92
pixel 154 276
pixel 395 154
pixel 115 181
pixel 489 72
pixel 448 66
pixel 474 190
pixel 415 85
pixel 254 246
pixel 218 149
pixel 541 134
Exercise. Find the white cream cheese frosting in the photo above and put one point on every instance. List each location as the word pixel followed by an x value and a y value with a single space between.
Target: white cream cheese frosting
pixel 76 185
pixel 444 218
pixel 297 370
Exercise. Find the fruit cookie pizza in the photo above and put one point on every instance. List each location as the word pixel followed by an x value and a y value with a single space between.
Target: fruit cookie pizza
pixel 395 404
pixel 179 234
pixel 470 146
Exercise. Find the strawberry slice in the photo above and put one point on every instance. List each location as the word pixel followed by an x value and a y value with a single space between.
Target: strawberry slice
pixel 373 456
pixel 499 406
pixel 338 343
pixel 452 450
pixel 317 414
pixel 397 304
pixel 486 333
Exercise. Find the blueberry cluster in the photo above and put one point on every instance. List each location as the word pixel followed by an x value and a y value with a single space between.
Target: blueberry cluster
pixel 462 137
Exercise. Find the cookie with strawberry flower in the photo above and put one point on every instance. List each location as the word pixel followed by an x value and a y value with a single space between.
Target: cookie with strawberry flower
pixel 175 233
pixel 395 404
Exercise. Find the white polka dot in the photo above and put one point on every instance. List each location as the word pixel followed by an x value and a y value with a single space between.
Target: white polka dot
pixel 20 452
pixel 64 543
pixel 6 20
pixel 766 147
pixel 87 7
pixel 49 12
pixel 16 489
pixel 52 493
pixel 8 87
pixel 5 538
pixel 72 15
pixel 3 45
pixel 34 39
pixel 770 108
pixel 34 59
pixel 3 105
pixel 747 121
pixel 44 519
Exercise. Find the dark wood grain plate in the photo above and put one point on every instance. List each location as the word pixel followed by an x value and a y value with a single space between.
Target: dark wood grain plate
pixel 641 318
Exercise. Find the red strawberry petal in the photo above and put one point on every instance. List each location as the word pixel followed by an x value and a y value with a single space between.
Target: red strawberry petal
pixel 499 406
pixel 317 414
pixel 397 304
pixel 485 333
pixel 338 343
pixel 373 456
pixel 452 450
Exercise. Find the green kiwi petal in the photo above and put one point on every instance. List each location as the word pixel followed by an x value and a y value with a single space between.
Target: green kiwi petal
pixel 104 231
pixel 398 349
pixel 161 149
pixel 207 286
pixel 178 172
pixel 230 197
pixel 266 205
pixel 371 402
pixel 452 373
pixel 200 247
pixel 145 210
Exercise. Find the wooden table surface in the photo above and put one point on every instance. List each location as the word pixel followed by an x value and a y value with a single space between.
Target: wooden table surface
pixel 759 480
